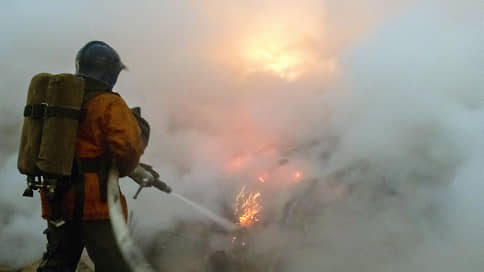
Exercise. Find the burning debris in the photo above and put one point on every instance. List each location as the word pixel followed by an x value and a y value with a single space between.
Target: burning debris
pixel 247 207
pixel 296 177
pixel 213 247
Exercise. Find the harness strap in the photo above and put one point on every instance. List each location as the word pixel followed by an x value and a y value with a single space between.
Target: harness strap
pixel 90 165
pixel 99 165
pixel 78 185
pixel 44 111
pixel 90 94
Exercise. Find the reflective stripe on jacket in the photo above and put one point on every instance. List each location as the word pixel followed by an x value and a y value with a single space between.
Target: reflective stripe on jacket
pixel 108 126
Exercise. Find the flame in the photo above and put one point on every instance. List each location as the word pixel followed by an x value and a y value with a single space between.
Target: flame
pixel 247 207
pixel 297 176
pixel 263 178
pixel 275 56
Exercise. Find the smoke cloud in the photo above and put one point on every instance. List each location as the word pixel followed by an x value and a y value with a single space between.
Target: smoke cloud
pixel 364 118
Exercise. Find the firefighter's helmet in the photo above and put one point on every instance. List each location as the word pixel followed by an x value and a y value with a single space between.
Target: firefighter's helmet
pixel 100 62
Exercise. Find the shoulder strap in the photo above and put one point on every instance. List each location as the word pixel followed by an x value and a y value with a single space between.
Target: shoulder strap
pixel 90 94
pixel 44 111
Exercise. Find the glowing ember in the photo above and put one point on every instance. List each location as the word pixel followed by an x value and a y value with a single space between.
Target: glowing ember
pixel 297 176
pixel 235 239
pixel 263 178
pixel 247 207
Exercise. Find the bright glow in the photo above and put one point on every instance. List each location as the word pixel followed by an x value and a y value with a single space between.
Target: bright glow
pixel 275 56
pixel 247 207
pixel 297 176
pixel 263 178
pixel 236 163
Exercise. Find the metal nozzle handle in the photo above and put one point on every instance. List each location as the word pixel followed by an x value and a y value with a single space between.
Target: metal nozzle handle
pixel 137 192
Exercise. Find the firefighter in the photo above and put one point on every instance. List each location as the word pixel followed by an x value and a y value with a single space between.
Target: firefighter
pixel 108 131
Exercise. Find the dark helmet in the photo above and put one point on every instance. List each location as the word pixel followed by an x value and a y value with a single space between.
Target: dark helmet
pixel 100 62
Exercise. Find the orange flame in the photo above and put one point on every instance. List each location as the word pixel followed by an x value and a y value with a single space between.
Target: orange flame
pixel 247 207
pixel 297 176
pixel 263 178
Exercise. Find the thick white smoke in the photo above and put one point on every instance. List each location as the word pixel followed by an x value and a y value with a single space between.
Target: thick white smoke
pixel 385 114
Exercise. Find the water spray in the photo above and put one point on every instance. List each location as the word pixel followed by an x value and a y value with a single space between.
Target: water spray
pixel 223 222
pixel 146 176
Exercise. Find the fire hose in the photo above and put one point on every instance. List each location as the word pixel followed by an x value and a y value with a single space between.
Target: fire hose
pixel 145 176
pixel 130 251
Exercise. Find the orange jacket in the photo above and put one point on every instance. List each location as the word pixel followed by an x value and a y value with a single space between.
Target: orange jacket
pixel 108 125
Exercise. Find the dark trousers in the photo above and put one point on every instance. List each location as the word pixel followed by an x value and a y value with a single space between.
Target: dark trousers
pixel 65 245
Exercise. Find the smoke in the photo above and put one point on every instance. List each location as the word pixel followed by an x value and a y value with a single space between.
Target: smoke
pixel 377 104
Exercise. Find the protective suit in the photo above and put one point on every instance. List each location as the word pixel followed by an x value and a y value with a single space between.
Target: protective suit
pixel 108 131
pixel 108 126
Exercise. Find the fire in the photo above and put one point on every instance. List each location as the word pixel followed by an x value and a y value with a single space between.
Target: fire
pixel 263 178
pixel 297 176
pixel 247 207
pixel 276 56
